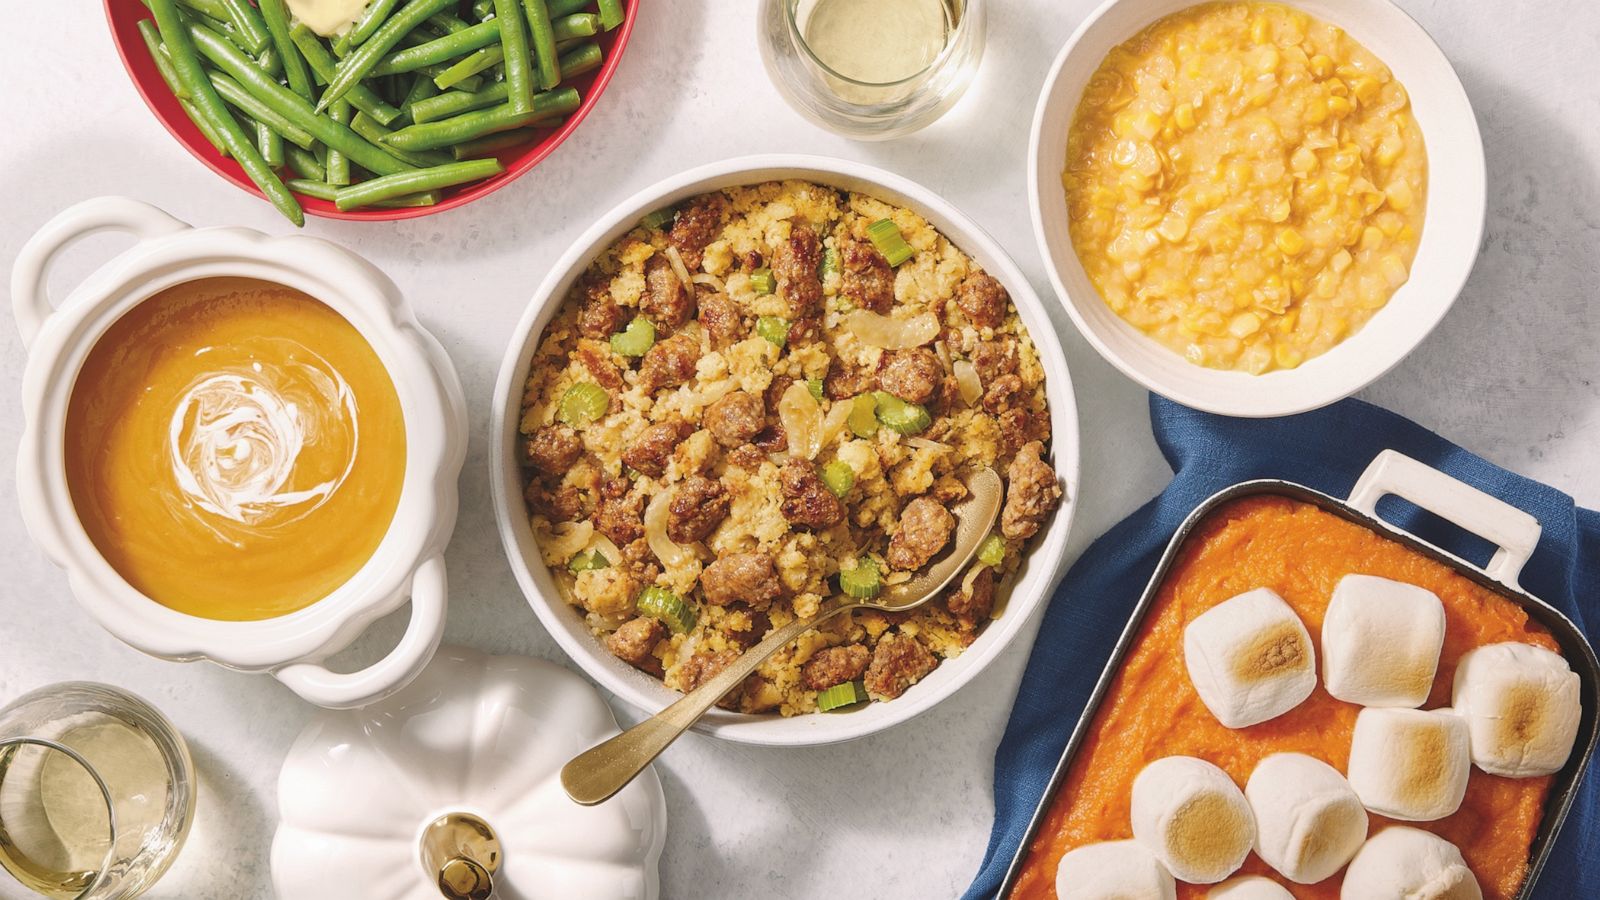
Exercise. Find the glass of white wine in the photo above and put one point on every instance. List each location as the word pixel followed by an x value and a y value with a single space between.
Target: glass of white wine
pixel 96 794
pixel 871 69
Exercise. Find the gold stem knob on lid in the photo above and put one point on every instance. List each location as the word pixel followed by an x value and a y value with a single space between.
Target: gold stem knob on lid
pixel 465 853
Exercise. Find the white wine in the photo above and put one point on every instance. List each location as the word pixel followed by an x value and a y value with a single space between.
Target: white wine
pixel 55 833
pixel 878 41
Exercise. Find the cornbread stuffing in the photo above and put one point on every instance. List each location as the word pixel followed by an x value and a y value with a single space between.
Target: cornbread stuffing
pixel 765 396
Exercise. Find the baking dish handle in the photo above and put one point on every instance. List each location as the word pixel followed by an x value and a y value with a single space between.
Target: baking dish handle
pixel 333 690
pixel 30 298
pixel 1513 532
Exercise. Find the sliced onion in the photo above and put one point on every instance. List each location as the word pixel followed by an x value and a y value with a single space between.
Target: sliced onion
pixel 606 548
pixel 943 352
pixel 922 443
pixel 968 382
pixel 971 576
pixel 712 280
pixel 562 540
pixel 837 421
pixel 680 268
pixel 672 554
pixel 892 334
pixel 802 420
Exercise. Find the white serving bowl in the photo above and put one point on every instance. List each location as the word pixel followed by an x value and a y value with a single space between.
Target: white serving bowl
pixel 409 561
pixel 1452 228
pixel 1033 585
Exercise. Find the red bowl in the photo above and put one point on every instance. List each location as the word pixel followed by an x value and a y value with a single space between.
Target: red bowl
pixel 124 15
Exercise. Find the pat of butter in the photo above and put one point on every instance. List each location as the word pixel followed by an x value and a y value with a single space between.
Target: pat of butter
pixel 327 17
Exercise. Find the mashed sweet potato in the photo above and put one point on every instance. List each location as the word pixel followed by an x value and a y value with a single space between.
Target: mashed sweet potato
pixel 1153 711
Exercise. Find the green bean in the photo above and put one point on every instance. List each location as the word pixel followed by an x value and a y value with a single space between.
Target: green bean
pixel 456 102
pixel 580 25
pixel 376 13
pixel 268 61
pixel 447 23
pixel 422 89
pixel 248 23
pixel 483 9
pixel 390 186
pixel 338 166
pixel 353 68
pixel 324 191
pixel 152 42
pixel 158 52
pixel 276 16
pixel 378 135
pixel 494 143
pixel 514 47
pixel 216 9
pixel 438 50
pixel 469 66
pixel 611 14
pixel 322 63
pixel 247 103
pixel 186 63
pixel 304 163
pixel 468 126
pixel 581 59
pixel 291 105
pixel 270 144
pixel 566 7
pixel 544 43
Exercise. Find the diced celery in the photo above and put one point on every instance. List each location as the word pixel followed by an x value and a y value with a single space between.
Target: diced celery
pixel 863 416
pixel 762 282
pixel 838 477
pixel 636 339
pixel 897 414
pixel 993 551
pixel 583 403
pixel 841 695
pixel 886 237
pixel 861 581
pixel 660 603
pixel 774 329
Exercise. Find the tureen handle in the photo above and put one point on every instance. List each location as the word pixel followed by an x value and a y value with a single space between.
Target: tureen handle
pixel 334 690
pixel 1514 533
pixel 30 298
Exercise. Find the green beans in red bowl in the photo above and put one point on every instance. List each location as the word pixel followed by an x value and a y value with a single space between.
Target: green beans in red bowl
pixel 407 108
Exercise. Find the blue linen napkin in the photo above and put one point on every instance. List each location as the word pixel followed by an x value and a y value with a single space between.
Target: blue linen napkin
pixel 1326 450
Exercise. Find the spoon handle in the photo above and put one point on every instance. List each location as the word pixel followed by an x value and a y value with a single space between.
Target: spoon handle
pixel 598 773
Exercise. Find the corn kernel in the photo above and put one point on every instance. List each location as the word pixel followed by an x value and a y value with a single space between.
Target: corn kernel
pixel 1244 325
pixel 1260 30
pixel 1146 124
pixel 1286 356
pixel 1316 111
pixel 1389 150
pixel 1399 193
pixel 1303 160
pixel 1341 260
pixel 1371 238
pixel 1365 89
pixel 1339 107
pixel 1394 271
pixel 1173 228
pixel 1184 116
pixel 1321 65
pixel 1290 242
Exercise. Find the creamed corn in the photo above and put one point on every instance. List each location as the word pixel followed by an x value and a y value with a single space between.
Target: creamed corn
pixel 1246 184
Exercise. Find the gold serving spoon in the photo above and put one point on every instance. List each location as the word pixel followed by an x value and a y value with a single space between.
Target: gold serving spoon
pixel 598 773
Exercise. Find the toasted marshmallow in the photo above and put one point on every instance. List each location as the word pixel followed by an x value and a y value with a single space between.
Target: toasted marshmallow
pixel 1410 764
pixel 1192 816
pixel 1309 821
pixel 1521 707
pixel 1249 887
pixel 1401 863
pixel 1381 641
pixel 1113 870
pixel 1250 658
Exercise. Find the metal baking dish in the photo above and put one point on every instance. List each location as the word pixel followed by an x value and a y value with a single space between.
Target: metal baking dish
pixel 1513 532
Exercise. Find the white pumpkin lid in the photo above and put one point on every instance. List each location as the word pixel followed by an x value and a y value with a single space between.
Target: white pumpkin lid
pixel 485 736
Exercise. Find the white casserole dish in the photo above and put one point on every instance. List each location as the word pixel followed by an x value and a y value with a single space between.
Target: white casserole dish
pixel 1452 227
pixel 409 562
pixel 1034 582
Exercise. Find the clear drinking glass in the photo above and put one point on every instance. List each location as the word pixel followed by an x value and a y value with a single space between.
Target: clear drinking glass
pixel 96 794
pixel 875 104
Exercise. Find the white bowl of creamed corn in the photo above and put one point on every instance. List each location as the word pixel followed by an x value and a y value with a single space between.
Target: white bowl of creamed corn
pixel 1252 208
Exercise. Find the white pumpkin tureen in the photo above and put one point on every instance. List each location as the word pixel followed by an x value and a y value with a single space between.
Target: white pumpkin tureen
pixel 455 782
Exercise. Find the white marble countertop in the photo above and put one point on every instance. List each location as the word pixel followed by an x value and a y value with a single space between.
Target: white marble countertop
pixel 1513 374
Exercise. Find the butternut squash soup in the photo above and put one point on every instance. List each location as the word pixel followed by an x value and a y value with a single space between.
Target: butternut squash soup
pixel 1152 710
pixel 234 448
